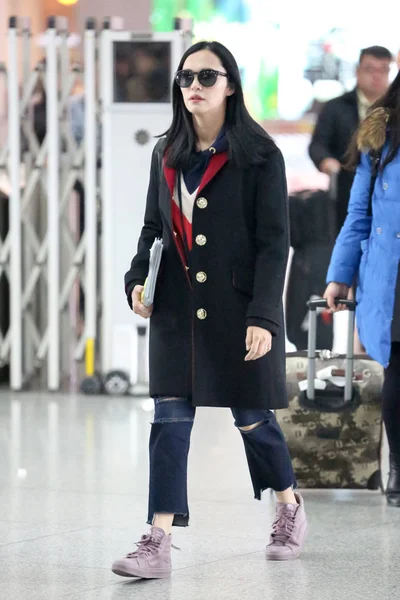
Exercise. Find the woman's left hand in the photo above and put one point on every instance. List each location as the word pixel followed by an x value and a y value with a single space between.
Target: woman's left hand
pixel 258 343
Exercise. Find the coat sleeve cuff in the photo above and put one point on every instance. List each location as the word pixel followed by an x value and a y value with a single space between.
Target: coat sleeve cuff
pixel 341 275
pixel 321 160
pixel 270 326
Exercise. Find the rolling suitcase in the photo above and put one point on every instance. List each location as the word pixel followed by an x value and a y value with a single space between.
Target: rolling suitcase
pixel 307 282
pixel 312 234
pixel 333 425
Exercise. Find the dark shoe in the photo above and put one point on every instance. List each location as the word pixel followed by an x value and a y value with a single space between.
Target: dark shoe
pixel 393 486
pixel 289 531
pixel 152 560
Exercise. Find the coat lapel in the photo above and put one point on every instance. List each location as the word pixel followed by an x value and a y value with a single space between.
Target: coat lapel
pixel 167 191
pixel 214 166
pixel 352 100
pixel 170 177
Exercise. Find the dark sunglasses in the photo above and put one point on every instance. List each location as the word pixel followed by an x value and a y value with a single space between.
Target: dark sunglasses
pixel 206 77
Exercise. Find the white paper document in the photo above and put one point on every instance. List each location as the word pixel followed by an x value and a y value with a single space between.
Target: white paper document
pixel 154 266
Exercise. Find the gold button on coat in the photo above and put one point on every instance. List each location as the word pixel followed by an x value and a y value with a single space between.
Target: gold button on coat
pixel 201 240
pixel 202 202
pixel 201 276
pixel 202 314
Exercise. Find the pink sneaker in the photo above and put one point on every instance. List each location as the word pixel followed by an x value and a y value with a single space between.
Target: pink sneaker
pixel 152 560
pixel 289 531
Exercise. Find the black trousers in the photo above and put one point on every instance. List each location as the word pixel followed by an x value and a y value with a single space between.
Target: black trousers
pixel 391 401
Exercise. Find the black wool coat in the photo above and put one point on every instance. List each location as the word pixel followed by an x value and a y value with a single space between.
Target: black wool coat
pixel 198 328
pixel 336 125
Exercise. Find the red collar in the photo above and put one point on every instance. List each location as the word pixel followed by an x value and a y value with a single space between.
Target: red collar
pixel 216 163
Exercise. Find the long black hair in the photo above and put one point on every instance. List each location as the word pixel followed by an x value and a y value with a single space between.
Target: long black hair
pixel 248 142
pixel 390 107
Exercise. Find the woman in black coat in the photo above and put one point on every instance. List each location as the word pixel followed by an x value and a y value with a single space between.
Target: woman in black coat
pixel 217 197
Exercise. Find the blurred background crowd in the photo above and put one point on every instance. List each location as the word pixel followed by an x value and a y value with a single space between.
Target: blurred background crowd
pixel 309 75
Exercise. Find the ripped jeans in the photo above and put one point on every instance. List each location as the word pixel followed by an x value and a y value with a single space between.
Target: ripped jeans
pixel 266 450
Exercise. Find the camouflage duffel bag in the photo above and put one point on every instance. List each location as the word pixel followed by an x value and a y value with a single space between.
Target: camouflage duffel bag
pixel 334 440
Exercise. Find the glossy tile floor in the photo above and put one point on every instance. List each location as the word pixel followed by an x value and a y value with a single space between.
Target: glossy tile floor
pixel 73 498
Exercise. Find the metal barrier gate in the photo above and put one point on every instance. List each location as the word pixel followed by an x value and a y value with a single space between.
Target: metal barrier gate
pixel 43 255
pixel 50 254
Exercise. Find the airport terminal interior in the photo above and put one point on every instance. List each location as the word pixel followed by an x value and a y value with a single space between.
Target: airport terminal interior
pixel 85 88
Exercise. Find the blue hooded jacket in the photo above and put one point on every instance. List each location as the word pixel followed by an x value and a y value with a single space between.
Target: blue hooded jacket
pixel 371 247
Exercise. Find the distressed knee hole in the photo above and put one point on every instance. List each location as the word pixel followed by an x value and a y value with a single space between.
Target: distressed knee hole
pixel 247 428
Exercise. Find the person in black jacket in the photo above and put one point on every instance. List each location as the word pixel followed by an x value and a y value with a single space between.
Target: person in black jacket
pixel 340 118
pixel 218 198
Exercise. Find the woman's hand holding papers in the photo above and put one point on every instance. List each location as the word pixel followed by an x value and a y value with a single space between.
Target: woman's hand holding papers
pixel 137 306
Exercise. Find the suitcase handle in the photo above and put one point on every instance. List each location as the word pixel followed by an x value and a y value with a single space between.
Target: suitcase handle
pixel 322 303
pixel 312 342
